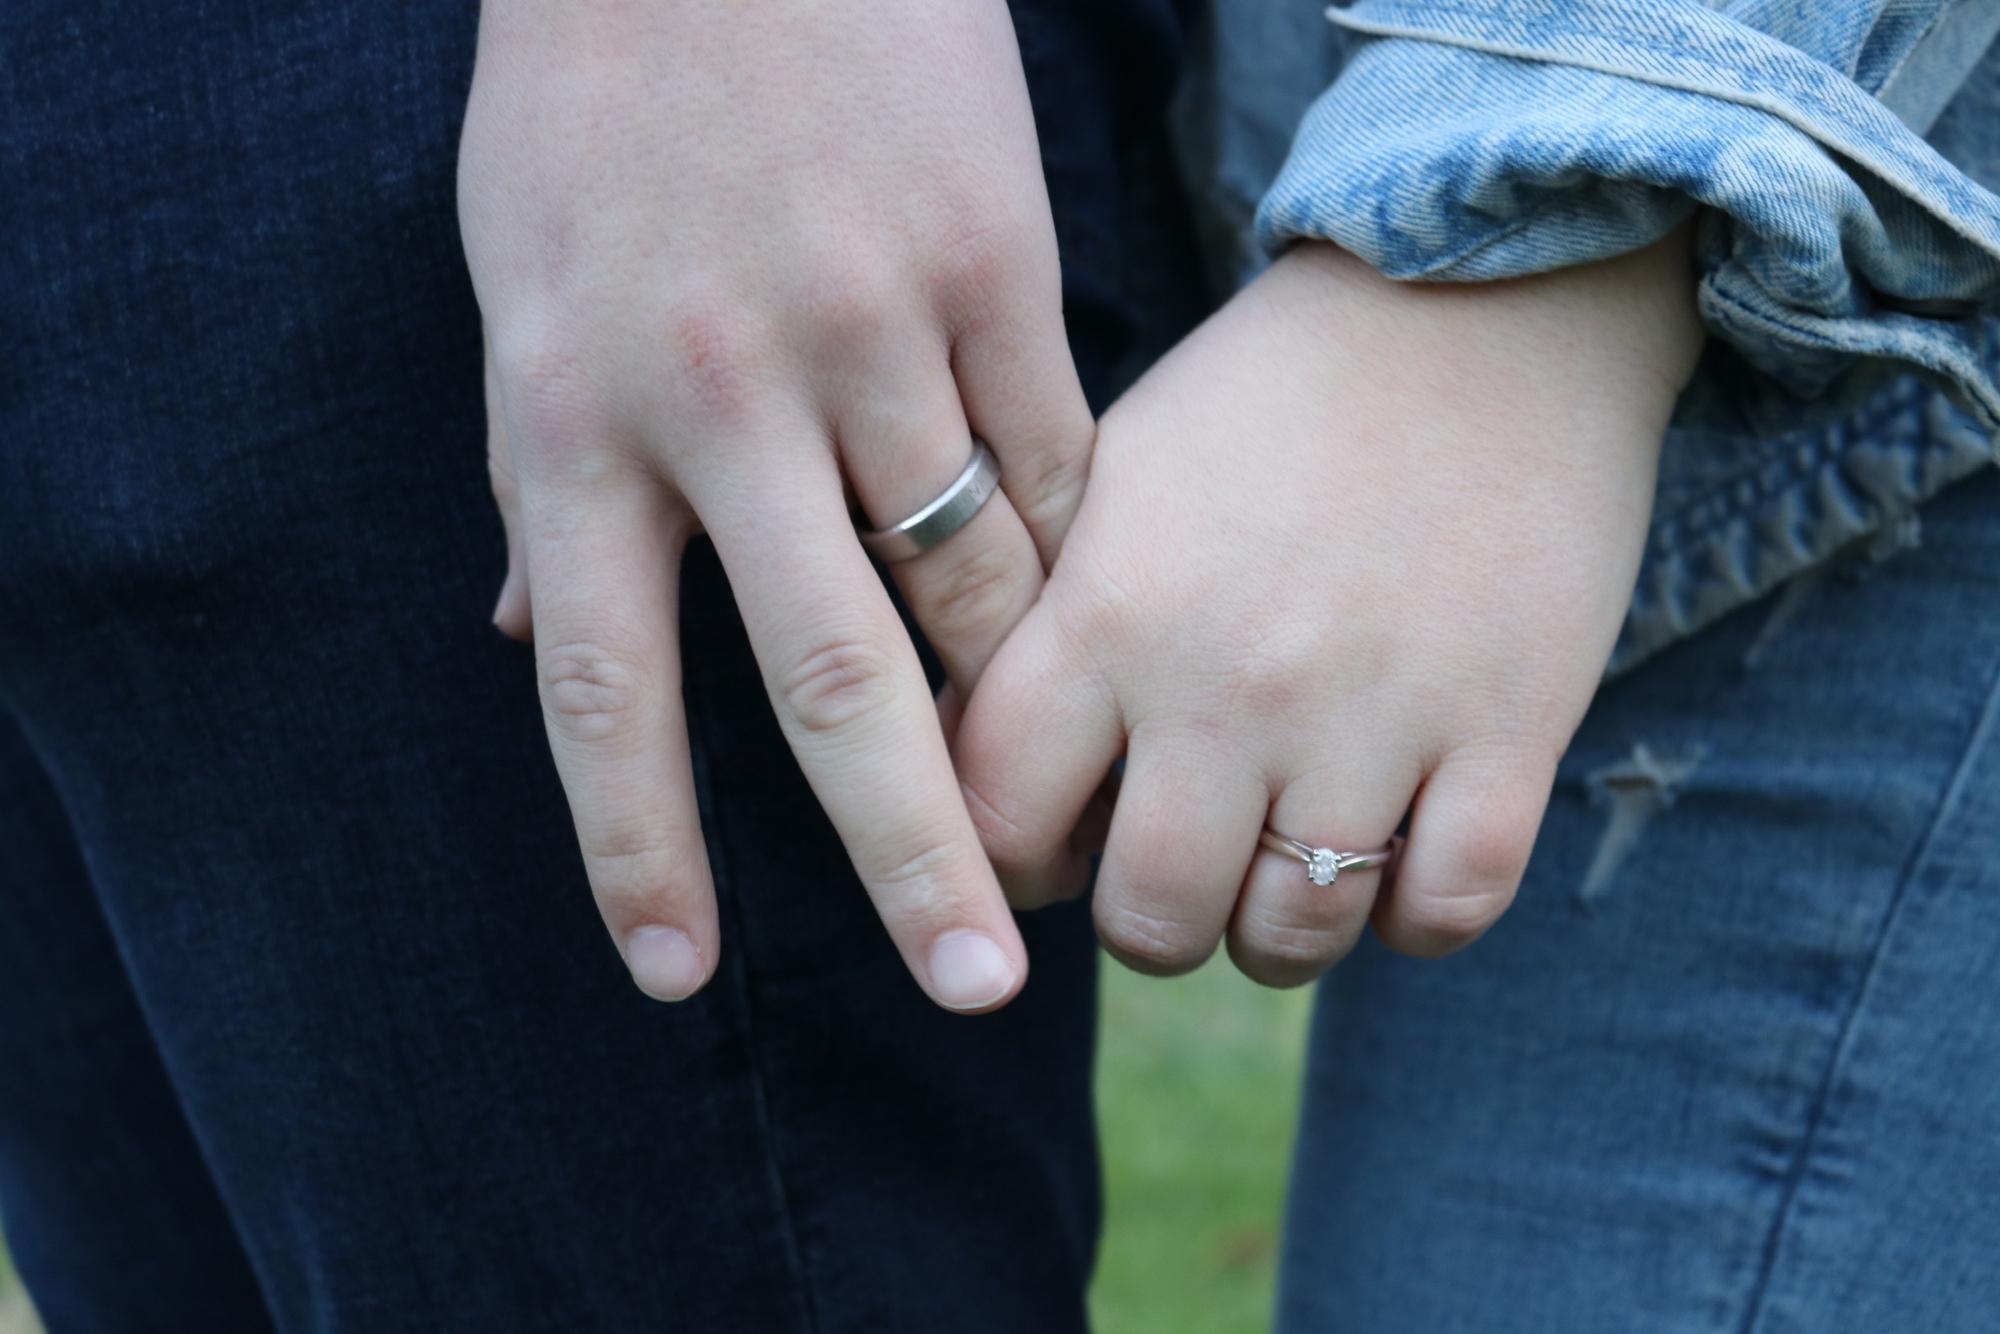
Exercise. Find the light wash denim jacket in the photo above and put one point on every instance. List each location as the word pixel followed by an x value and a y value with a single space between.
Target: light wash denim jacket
pixel 1840 158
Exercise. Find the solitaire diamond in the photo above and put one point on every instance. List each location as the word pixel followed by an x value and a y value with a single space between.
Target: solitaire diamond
pixel 1324 866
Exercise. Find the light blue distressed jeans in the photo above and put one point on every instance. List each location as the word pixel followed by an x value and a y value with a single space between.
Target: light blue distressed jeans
pixel 1732 1062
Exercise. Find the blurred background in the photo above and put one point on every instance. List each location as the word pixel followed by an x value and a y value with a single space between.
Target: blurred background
pixel 1198 1080
pixel 1197 1090
pixel 16 1317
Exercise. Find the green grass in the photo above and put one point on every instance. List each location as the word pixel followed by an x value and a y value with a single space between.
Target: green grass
pixel 1197 1084
pixel 1197 1091
pixel 16 1316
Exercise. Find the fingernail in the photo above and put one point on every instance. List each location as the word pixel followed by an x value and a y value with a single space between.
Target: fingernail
pixel 969 971
pixel 664 963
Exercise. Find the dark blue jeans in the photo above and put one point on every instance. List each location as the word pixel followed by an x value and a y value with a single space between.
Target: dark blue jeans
pixel 1732 1060
pixel 306 1018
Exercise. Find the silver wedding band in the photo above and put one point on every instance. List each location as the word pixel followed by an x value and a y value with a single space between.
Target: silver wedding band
pixel 1324 865
pixel 936 522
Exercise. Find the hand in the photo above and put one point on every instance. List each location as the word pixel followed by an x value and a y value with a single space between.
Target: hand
pixel 1353 545
pixel 731 257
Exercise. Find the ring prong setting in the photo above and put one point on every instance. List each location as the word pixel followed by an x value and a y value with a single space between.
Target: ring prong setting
pixel 1324 865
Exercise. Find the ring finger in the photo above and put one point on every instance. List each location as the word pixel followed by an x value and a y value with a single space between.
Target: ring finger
pixel 904 445
pixel 1288 929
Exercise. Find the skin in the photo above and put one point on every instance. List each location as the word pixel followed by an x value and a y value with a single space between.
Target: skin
pixel 1355 545
pixel 738 263
pixel 1353 549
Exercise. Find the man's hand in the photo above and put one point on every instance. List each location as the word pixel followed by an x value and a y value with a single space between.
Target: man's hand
pixel 733 259
pixel 1354 545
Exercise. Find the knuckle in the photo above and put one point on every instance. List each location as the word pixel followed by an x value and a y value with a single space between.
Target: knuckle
pixel 634 867
pixel 1438 922
pixel 1492 842
pixel 838 684
pixel 546 386
pixel 851 309
pixel 929 882
pixel 1276 952
pixel 1048 480
pixel 1277 662
pixel 589 690
pixel 1112 610
pixel 1148 942
pixel 714 359
pixel 977 272
pixel 922 865
pixel 1486 857
pixel 978 589
pixel 1013 850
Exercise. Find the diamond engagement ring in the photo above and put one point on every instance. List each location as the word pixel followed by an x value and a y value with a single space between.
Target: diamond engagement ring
pixel 1324 865
pixel 935 522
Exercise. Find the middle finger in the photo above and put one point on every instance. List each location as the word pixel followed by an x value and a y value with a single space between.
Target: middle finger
pixel 1187 816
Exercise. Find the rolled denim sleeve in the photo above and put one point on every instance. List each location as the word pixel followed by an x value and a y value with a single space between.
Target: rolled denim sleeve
pixel 1468 141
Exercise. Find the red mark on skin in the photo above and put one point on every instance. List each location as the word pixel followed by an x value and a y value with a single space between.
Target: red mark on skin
pixel 709 353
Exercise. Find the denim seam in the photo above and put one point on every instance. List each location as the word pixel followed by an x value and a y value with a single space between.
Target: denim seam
pixel 1983 728
pixel 1437 269
pixel 1885 91
pixel 1648 633
pixel 1968 380
pixel 1718 507
pixel 1614 26
pixel 744 994
pixel 1721 497
pixel 1943 29
pixel 1697 516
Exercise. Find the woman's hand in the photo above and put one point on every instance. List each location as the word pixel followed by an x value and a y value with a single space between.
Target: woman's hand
pixel 1353 545
pixel 731 257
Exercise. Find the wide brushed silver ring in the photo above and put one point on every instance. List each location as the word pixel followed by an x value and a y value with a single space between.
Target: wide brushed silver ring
pixel 936 522
pixel 1324 865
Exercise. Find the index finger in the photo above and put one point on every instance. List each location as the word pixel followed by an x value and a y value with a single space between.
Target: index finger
pixel 851 697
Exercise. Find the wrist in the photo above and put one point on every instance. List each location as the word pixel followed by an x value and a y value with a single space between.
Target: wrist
pixel 1628 324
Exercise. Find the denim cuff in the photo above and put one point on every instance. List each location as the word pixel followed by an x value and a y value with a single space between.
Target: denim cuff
pixel 1468 142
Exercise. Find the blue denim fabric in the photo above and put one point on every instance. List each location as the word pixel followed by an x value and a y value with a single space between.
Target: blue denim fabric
pixel 1732 1061
pixel 1489 141
pixel 307 1021
pixel 1841 156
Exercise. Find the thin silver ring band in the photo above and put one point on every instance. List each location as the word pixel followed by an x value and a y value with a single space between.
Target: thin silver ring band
pixel 936 522
pixel 1324 865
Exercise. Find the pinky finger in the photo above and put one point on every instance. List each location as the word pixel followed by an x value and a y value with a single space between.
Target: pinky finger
pixel 513 613
pixel 1471 832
